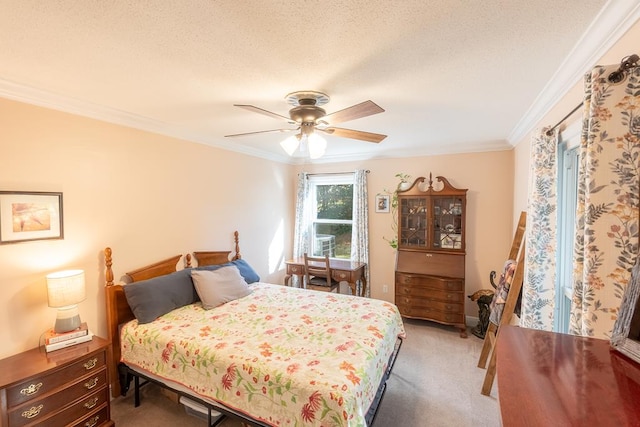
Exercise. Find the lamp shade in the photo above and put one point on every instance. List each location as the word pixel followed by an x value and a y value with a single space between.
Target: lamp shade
pixel 66 288
pixel 317 146
pixel 290 145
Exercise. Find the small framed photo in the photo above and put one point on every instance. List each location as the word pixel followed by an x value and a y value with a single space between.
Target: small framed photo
pixel 382 203
pixel 26 216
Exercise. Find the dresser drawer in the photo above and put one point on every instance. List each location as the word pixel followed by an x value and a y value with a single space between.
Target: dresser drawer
pixel 428 314
pixel 40 408
pixel 436 264
pixel 32 389
pixel 429 294
pixel 81 410
pixel 428 304
pixel 441 283
pixel 96 419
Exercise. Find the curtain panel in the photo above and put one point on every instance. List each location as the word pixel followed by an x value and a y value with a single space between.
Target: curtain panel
pixel 606 243
pixel 538 289
pixel 360 228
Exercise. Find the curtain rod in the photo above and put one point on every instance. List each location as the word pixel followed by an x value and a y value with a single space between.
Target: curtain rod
pixel 617 76
pixel 332 173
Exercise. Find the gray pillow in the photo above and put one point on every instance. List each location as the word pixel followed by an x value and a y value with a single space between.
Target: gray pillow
pixel 150 299
pixel 246 271
pixel 216 287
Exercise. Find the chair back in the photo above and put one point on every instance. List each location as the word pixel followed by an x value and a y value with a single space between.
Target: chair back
pixel 317 268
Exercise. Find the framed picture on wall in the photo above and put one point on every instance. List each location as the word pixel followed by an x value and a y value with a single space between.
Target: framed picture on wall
pixel 382 203
pixel 26 216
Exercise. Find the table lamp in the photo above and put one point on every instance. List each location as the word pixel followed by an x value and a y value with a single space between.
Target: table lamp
pixel 66 289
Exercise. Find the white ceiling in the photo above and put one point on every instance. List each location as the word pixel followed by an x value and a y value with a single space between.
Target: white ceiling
pixel 452 75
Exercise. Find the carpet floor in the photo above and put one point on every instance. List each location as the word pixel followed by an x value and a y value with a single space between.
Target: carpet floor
pixel 435 382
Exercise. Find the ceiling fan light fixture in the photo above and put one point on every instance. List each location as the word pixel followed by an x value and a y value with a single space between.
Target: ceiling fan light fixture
pixel 317 146
pixel 290 145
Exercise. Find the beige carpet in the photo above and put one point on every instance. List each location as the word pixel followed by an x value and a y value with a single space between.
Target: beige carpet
pixel 435 382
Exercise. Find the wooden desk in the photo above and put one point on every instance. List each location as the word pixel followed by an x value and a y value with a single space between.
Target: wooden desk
pixel 550 379
pixel 341 270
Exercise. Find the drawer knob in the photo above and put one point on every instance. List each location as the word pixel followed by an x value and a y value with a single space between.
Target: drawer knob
pixel 342 275
pixel 92 421
pixel 294 269
pixel 32 412
pixel 91 363
pixel 91 403
pixel 91 384
pixel 32 389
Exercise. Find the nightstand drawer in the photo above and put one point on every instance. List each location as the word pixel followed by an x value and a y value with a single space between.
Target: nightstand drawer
pixel 40 408
pixel 88 406
pixel 32 389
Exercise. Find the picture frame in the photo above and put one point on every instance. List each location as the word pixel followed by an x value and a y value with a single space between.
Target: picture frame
pixel 625 337
pixel 383 204
pixel 30 215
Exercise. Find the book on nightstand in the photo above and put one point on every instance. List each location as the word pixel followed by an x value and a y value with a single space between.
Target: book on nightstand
pixel 68 343
pixel 52 337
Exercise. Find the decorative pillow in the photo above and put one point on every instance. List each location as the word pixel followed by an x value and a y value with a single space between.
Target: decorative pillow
pixel 150 299
pixel 216 287
pixel 245 269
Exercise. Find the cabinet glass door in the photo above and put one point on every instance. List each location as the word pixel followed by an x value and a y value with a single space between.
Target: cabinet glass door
pixel 447 223
pixel 413 222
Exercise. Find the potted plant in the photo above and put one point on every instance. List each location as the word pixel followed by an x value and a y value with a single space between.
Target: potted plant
pixel 404 184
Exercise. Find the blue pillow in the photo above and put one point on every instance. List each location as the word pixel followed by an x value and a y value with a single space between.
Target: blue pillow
pixel 150 299
pixel 246 271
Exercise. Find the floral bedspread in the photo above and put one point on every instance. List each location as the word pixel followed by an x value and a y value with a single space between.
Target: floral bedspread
pixel 284 356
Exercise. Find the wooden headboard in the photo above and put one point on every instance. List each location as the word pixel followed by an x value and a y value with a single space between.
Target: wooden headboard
pixel 118 310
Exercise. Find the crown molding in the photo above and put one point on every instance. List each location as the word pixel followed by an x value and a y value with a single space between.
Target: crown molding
pixel 615 18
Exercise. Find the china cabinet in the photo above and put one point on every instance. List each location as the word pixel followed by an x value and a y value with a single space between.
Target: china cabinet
pixel 430 264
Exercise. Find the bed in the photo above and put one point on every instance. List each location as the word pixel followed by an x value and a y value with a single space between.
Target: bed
pixel 274 356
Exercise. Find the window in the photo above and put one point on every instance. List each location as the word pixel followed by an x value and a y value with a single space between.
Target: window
pixel 567 204
pixel 332 215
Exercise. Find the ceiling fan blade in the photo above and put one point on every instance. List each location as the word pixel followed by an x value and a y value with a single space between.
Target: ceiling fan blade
pixel 354 134
pixel 261 131
pixel 364 109
pixel 263 111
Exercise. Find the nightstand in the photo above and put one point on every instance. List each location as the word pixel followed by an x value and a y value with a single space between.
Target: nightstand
pixel 60 388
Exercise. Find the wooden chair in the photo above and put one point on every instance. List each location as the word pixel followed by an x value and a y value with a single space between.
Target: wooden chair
pixel 317 274
pixel 488 348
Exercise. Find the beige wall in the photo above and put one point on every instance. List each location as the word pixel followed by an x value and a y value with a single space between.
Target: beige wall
pixel 149 197
pixel 625 46
pixel 488 176
pixel 146 196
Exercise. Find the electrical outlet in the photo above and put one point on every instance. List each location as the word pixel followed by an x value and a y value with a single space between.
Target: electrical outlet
pixel 385 289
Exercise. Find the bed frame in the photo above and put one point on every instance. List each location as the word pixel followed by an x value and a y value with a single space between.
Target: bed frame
pixel 119 312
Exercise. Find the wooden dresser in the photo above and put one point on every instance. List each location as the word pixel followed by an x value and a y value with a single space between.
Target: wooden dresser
pixel 430 264
pixel 61 388
pixel 551 379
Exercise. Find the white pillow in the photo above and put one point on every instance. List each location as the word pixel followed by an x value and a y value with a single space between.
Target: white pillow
pixel 216 287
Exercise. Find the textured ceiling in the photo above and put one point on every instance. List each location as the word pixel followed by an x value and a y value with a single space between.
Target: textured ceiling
pixel 452 75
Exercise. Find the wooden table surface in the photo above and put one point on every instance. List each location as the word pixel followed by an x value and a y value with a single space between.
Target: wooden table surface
pixel 550 379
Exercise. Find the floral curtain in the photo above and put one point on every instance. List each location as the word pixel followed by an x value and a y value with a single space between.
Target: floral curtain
pixel 538 291
pixel 303 217
pixel 607 219
pixel 360 229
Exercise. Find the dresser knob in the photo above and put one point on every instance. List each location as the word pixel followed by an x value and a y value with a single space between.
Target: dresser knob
pixel 91 363
pixel 91 403
pixel 32 412
pixel 92 421
pixel 342 275
pixel 32 389
pixel 91 384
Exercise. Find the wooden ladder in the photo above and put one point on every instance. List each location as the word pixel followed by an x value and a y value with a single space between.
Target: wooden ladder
pixel 491 336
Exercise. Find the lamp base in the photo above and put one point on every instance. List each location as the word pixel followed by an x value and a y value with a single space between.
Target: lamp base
pixel 67 319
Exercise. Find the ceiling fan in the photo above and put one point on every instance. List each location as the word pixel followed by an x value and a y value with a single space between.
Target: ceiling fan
pixel 308 115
